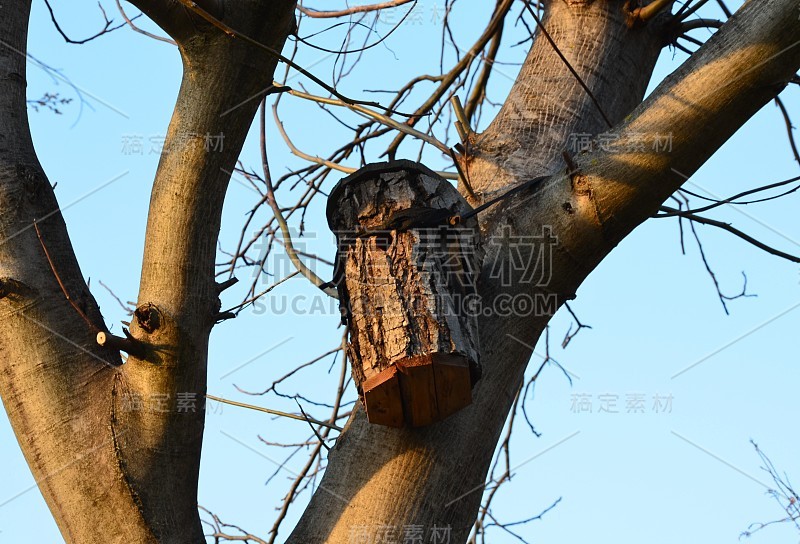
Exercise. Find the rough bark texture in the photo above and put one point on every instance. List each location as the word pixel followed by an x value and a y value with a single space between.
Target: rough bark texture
pixel 111 470
pixel 178 300
pixel 547 105
pixel 407 273
pixel 115 475
pixel 433 476
pixel 56 382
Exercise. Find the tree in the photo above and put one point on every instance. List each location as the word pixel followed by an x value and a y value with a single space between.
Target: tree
pixel 135 478
pixel 782 493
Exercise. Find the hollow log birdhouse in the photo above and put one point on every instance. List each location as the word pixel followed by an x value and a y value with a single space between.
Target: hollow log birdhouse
pixel 405 272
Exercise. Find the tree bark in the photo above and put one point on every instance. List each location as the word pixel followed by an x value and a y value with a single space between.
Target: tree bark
pixel 407 271
pixel 56 382
pixel 115 455
pixel 433 476
pixel 110 473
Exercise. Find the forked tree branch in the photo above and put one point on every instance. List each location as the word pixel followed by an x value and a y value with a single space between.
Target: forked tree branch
pixel 416 477
pixel 134 463
pixel 733 75
pixel 434 476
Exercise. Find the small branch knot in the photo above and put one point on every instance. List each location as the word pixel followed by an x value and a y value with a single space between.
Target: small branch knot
pixel 10 286
pixel 148 317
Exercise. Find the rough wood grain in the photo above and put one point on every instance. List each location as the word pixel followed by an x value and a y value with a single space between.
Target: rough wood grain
pixel 407 274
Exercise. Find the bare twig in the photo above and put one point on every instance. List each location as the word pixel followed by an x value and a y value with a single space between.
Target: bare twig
pixel 570 335
pixel 219 535
pixel 789 128
pixel 61 283
pixel 107 27
pixel 352 10
pixel 287 235
pixel 191 5
pixel 783 493
pixel 140 30
pixel 274 412
pixel 727 227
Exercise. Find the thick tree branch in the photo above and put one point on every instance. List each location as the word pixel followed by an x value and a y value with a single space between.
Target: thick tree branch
pixel 175 19
pixel 548 111
pixel 741 68
pixel 116 455
pixel 178 299
pixel 55 381
pixel 379 476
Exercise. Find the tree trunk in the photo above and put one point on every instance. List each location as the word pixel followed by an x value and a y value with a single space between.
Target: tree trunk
pixel 433 477
pixel 115 455
pixel 112 470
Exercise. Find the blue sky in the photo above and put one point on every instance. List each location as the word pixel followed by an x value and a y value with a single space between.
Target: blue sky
pixel 686 473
